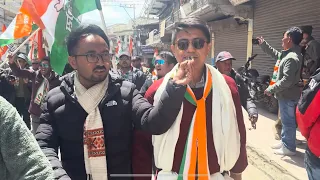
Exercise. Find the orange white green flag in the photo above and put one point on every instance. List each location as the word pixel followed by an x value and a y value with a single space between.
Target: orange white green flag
pixel 3 50
pixel 20 27
pixel 57 18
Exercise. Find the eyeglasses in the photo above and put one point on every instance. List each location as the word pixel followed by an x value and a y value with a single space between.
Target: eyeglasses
pixel 159 61
pixel 44 65
pixel 35 63
pixel 93 58
pixel 197 43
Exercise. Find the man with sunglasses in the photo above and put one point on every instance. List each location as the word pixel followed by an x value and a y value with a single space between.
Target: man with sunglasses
pixel 128 72
pixel 164 63
pixel 208 137
pixel 224 65
pixel 43 80
pixel 35 64
pixel 92 114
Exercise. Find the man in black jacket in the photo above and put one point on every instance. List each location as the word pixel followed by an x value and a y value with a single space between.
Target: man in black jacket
pixel 311 56
pixel 224 65
pixel 67 123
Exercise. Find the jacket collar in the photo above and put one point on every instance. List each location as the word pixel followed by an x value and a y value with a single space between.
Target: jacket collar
pixel 295 48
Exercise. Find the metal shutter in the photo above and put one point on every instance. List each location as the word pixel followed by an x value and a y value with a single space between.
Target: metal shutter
pixel 273 17
pixel 234 40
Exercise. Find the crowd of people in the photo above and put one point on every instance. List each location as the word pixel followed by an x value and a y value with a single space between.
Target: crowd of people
pixel 181 119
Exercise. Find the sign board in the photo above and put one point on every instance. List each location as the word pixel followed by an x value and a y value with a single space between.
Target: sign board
pixel 147 49
pixel 238 2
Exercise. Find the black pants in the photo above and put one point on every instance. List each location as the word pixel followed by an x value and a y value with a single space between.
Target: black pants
pixel 22 105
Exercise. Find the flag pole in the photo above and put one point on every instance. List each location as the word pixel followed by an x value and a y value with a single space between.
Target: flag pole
pixel 21 45
pixel 25 41
pixel 99 7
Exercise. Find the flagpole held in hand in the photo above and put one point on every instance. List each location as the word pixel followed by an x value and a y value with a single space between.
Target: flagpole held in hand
pixel 21 45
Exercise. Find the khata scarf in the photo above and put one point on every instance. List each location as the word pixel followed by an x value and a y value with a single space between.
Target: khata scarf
pixel 93 138
pixel 226 135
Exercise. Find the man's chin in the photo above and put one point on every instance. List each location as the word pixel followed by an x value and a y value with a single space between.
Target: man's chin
pixel 99 78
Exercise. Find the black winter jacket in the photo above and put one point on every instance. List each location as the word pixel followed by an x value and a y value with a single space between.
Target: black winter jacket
pixel 246 101
pixel 121 109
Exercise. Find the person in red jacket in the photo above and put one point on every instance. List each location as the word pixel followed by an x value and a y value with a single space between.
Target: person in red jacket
pixel 308 118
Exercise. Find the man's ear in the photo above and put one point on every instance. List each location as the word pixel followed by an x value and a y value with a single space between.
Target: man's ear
pixel 72 62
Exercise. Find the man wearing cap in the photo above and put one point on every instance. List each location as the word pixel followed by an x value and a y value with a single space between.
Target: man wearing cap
pixel 311 57
pixel 224 65
pixel 128 73
pixel 22 97
pixel 43 80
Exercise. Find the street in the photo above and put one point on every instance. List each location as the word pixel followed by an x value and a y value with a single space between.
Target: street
pixel 263 164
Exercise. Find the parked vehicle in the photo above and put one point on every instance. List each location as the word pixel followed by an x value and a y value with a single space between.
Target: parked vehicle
pixel 257 85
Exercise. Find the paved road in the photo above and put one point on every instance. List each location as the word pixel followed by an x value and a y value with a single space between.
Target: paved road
pixel 259 142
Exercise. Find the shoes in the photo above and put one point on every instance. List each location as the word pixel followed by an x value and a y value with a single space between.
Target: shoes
pixel 284 151
pixel 277 136
pixel 277 146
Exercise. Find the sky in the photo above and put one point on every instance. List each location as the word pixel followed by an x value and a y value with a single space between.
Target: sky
pixel 115 14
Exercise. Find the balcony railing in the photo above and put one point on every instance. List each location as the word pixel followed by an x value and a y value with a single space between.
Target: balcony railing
pixel 175 17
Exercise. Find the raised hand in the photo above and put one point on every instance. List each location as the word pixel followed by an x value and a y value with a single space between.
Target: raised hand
pixel 185 73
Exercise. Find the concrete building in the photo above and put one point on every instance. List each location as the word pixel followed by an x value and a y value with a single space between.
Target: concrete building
pixel 233 24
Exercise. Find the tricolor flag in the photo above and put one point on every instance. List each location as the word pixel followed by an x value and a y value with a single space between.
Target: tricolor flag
pixel 3 50
pixel 58 18
pixel 119 46
pixel 130 46
pixel 20 27
pixel 36 47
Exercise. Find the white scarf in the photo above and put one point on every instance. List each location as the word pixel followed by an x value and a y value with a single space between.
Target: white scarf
pixel 94 147
pixel 42 91
pixel 225 130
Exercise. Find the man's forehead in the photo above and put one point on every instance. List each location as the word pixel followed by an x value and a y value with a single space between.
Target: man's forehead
pixel 190 33
pixel 92 42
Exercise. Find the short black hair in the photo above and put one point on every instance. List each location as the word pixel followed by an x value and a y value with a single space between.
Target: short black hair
pixel 295 34
pixel 169 57
pixel 307 29
pixel 82 31
pixel 191 22
pixel 46 58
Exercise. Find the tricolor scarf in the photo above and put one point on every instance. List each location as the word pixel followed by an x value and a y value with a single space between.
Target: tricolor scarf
pixel 42 91
pixel 226 135
pixel 93 137
pixel 275 71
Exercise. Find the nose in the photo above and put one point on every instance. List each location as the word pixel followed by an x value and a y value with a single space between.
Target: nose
pixel 190 48
pixel 100 60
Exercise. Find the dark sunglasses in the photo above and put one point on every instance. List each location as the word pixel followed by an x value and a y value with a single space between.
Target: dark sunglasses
pixel 159 61
pixel 197 43
pixel 44 65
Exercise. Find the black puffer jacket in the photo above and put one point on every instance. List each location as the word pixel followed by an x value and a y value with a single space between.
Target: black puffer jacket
pixel 246 101
pixel 121 109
